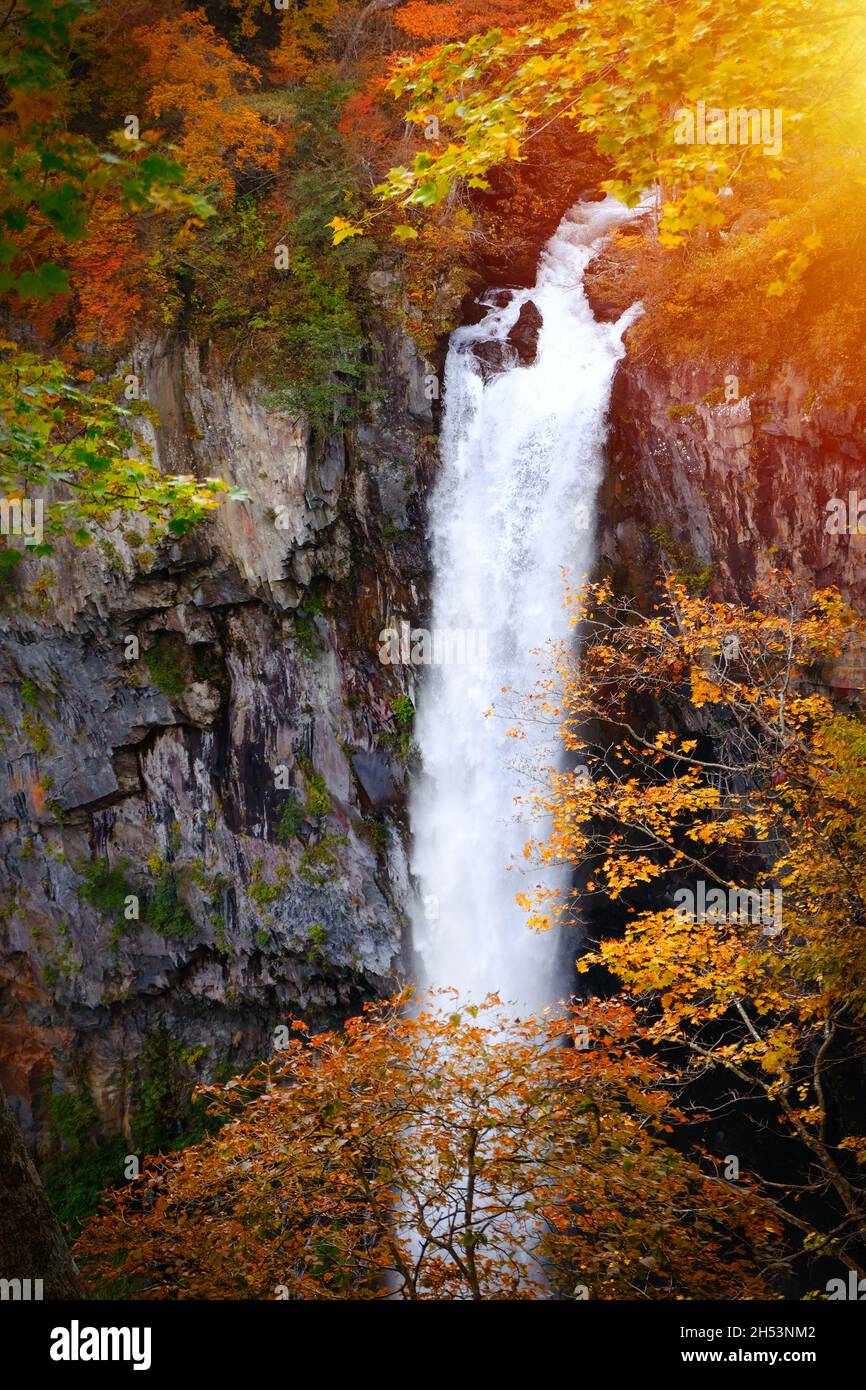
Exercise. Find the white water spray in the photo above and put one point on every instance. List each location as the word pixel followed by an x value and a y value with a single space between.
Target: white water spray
pixel 514 504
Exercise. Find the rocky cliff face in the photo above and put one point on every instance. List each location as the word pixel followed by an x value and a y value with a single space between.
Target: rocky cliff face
pixel 728 469
pixel 729 489
pixel 203 774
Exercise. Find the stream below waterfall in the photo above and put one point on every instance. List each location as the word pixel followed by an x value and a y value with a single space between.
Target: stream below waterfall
pixel 514 504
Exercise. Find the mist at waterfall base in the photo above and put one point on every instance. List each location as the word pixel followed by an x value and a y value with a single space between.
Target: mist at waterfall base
pixel 513 505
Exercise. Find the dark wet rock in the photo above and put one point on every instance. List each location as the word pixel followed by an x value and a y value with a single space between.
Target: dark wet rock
pixel 606 310
pixel 518 348
pixel 494 356
pixel 523 337
pixel 381 779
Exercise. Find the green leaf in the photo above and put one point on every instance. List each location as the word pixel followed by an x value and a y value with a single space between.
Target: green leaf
pixel 43 283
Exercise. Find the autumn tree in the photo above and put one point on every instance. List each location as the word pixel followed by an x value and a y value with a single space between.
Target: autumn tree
pixel 106 266
pixel 431 20
pixel 719 797
pixel 66 210
pixel 421 1153
pixel 305 39
pixel 194 84
pixel 623 73
pixel 53 172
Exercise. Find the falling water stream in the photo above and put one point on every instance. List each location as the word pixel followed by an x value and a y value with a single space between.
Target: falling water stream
pixel 513 505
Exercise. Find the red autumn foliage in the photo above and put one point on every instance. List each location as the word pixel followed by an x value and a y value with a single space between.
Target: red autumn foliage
pixel 106 267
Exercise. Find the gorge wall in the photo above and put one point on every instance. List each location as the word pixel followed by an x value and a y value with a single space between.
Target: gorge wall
pixel 729 491
pixel 203 732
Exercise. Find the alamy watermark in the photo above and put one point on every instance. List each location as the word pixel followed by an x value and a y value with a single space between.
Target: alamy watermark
pixel 443 646
pixel 846 516
pixel 854 1290
pixel 21 1290
pixel 739 125
pixel 23 516
pixel 77 1343
pixel 736 906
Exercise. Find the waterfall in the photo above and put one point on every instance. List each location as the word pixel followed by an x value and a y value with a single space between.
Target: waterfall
pixel 513 505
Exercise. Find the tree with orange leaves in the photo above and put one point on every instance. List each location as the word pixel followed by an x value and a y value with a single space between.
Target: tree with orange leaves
pixel 305 39
pixel 63 206
pixel 106 266
pixel 456 19
pixel 194 85
pixel 424 1153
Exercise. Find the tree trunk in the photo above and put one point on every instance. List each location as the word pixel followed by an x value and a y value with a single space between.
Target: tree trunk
pixel 373 8
pixel 31 1241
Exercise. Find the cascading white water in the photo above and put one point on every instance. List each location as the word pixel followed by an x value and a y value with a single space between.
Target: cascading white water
pixel 514 503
